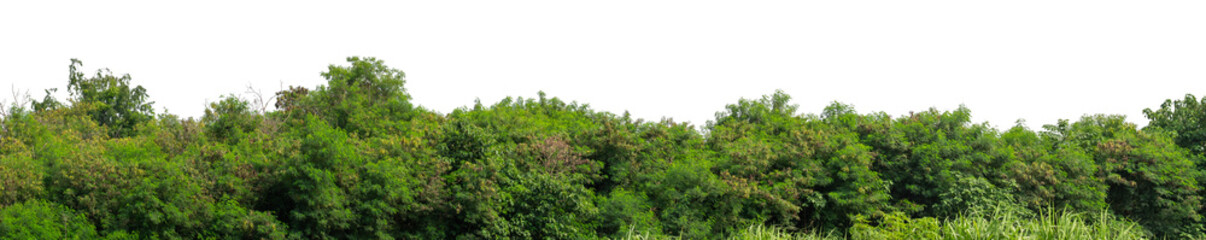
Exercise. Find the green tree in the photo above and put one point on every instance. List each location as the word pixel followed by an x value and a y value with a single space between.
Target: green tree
pixel 128 184
pixel 1044 176
pixel 232 221
pixel 1149 178
pixel 925 154
pixel 48 102
pixel 354 159
pixel 811 175
pixel 334 186
pixel 522 169
pixel 1186 118
pixel 365 99
pixel 20 178
pixel 37 219
pixel 229 119
pixel 111 100
pixel 623 211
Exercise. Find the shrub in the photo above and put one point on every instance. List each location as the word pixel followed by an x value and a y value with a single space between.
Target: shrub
pixel 38 219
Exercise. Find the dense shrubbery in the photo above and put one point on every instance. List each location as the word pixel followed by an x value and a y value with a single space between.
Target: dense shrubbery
pixel 354 159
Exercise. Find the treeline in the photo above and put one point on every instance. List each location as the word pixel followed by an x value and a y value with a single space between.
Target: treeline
pixel 354 159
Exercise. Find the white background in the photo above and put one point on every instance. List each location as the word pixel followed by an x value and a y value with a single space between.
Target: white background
pixel 1005 60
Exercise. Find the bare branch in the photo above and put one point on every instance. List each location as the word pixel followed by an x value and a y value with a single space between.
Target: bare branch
pixel 258 99
pixel 19 100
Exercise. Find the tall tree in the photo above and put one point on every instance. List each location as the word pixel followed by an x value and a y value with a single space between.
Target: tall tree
pixel 810 173
pixel 110 100
pixel 1186 118
pixel 366 98
pixel 1148 178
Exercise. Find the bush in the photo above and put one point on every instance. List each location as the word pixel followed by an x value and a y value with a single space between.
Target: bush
pixel 38 219
pixel 625 211
pixel 20 179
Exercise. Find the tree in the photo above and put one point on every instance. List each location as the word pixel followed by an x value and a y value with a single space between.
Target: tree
pixel 813 175
pixel 113 102
pixel 38 219
pixel 48 102
pixel 521 168
pixel 365 99
pixel 128 184
pixel 1149 178
pixel 20 178
pixel 354 159
pixel 1046 176
pixel 929 154
pixel 229 119
pixel 1186 118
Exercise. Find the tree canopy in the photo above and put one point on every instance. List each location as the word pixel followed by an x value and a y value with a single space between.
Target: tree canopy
pixel 355 159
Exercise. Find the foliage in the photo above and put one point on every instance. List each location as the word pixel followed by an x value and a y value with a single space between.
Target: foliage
pixel 693 202
pixel 1150 179
pixel 229 119
pixel 128 185
pixel 1001 223
pixel 519 171
pixel 355 159
pixel 20 179
pixel 760 232
pixel 233 221
pixel 1186 118
pixel 366 98
pixel 625 211
pixel 114 102
pixel 37 219
pixel 972 194
pixel 806 173
pixel 927 153
pixel 1044 176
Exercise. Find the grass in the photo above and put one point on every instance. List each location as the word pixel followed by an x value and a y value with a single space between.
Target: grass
pixel 1005 225
pixel 989 225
